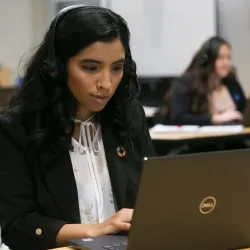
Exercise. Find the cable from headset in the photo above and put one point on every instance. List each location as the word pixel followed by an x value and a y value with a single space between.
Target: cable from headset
pixel 132 97
pixel 129 131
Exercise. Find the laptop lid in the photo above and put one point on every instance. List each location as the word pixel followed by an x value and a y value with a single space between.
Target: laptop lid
pixel 199 201
pixel 246 121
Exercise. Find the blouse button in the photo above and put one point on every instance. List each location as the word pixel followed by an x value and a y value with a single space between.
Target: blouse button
pixel 39 231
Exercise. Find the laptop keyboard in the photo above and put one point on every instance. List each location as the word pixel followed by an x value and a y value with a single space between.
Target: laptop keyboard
pixel 117 246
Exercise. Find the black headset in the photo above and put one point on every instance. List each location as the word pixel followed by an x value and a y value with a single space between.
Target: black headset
pixel 51 66
pixel 206 56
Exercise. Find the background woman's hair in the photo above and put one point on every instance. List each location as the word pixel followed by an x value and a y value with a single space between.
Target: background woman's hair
pixel 47 107
pixel 202 71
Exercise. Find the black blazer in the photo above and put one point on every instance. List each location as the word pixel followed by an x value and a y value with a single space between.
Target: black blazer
pixel 35 204
pixel 179 110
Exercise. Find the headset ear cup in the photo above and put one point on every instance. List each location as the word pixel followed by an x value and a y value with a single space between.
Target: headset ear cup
pixel 204 60
pixel 53 71
pixel 49 69
pixel 206 55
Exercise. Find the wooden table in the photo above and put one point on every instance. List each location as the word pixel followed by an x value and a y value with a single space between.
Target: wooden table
pixel 173 136
pixel 177 142
pixel 65 248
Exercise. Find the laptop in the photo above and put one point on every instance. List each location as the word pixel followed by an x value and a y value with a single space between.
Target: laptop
pixel 198 201
pixel 246 121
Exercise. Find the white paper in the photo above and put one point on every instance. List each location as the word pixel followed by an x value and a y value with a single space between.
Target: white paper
pixel 222 129
pixel 159 128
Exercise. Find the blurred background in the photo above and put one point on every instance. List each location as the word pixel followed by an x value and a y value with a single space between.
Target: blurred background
pixel 164 36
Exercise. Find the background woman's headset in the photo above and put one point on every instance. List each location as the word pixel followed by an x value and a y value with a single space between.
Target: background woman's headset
pixel 206 55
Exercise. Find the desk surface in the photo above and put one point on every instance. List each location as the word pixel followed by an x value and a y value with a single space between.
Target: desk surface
pixel 174 136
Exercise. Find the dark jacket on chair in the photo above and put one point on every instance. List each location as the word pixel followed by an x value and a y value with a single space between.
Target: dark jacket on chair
pixel 35 204
pixel 180 111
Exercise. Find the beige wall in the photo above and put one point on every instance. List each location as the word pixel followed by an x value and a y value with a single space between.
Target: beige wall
pixel 234 25
pixel 166 31
pixel 40 18
pixel 16 31
pixel 22 24
pixel 31 17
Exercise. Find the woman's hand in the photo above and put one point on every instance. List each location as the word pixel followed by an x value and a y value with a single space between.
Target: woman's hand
pixel 121 221
pixel 227 116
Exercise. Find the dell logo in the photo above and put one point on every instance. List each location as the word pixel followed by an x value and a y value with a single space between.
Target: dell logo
pixel 207 205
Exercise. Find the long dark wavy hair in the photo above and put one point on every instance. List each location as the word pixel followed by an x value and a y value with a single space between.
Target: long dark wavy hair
pixel 46 107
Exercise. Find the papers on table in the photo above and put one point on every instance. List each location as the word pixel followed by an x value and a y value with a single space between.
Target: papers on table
pixel 222 129
pixel 159 128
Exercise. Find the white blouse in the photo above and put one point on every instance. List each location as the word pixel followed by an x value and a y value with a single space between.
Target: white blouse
pixel 96 201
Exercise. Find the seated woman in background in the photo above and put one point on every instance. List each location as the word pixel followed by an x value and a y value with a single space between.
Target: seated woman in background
pixel 73 140
pixel 208 92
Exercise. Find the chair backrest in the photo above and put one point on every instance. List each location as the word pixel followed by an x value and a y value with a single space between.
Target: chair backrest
pixel 5 95
pixel 153 90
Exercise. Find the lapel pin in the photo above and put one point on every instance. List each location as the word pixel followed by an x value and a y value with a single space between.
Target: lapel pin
pixel 121 151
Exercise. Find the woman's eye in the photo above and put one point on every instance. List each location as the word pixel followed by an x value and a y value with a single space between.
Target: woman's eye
pixel 118 68
pixel 89 68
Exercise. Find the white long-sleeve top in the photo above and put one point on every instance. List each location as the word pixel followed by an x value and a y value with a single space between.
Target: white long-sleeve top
pixel 96 201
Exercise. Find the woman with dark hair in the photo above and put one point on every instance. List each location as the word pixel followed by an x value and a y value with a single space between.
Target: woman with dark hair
pixel 208 92
pixel 73 139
